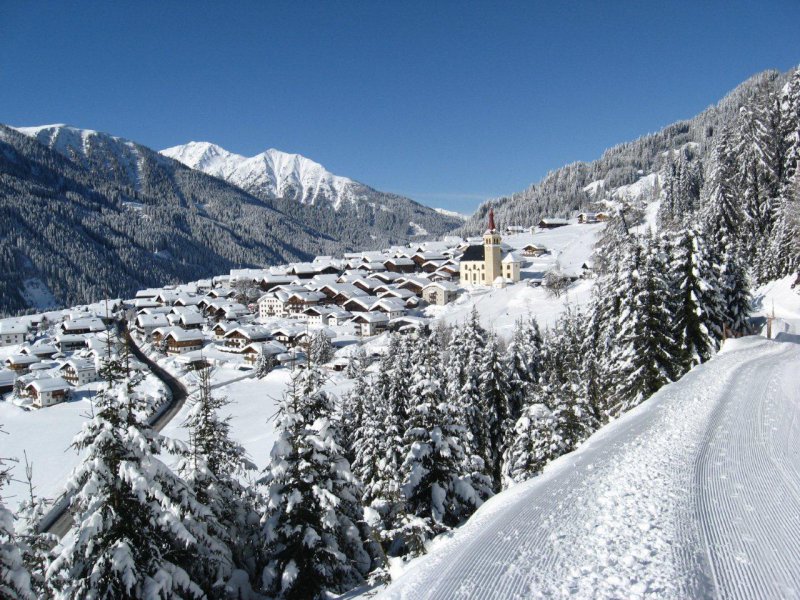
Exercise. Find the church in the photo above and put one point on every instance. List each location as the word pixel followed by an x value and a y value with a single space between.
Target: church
pixel 485 264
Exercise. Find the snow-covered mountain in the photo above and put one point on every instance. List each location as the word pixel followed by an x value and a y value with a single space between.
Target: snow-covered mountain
pixel 272 173
pixel 341 207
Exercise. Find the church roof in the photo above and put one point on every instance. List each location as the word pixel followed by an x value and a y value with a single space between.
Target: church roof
pixel 474 252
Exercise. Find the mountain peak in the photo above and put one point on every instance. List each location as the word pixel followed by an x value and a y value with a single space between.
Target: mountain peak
pixel 272 173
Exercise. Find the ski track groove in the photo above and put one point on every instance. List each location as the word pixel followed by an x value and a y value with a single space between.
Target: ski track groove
pixel 686 497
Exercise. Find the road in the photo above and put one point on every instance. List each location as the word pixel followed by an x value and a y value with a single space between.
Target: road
pixel 59 521
pixel 694 494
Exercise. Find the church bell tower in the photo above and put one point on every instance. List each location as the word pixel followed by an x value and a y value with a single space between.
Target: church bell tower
pixel 492 252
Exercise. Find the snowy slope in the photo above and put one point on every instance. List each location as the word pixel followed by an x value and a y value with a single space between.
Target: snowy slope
pixel 692 494
pixel 272 173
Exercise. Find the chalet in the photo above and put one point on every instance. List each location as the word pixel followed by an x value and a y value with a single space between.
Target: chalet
pixel 167 297
pixel 12 332
pixel 148 294
pixel 297 302
pixel 400 265
pixel 47 391
pixel 221 293
pixel 78 371
pixel 339 293
pixel 220 329
pixel 592 217
pixel 533 250
pixel 160 334
pixel 550 223
pixel 41 351
pixel 186 300
pixel 269 282
pixel 393 307
pixel 251 352
pixel 359 304
pixel 188 319
pixel 367 285
pixel 21 363
pixel 82 325
pixel 420 258
pixel 236 339
pixel 370 323
pixel 397 292
pixel 180 341
pixel 317 315
pixel 147 323
pixel 406 325
pixel 338 316
pixel 440 292
pixel 386 276
pixel 288 336
pixel 415 284
pixel 70 342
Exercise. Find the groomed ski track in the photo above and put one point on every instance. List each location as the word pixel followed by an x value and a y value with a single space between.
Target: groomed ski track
pixel 694 494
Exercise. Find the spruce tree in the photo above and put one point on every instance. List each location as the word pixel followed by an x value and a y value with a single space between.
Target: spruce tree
pixel 463 372
pixel 522 363
pixel 438 486
pixel 696 293
pixel 212 468
pixel 36 544
pixel 15 580
pixel 495 398
pixel 313 521
pixel 646 349
pixel 139 530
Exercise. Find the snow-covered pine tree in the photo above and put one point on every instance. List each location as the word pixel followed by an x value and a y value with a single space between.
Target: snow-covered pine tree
pixel 212 468
pixel 462 373
pixel 386 496
pixel 646 351
pixel 320 349
pixel 437 483
pixel 533 443
pixel 264 364
pixel 522 363
pixel 495 400
pixel 314 538
pixel 138 528
pixel 723 218
pixel 15 580
pixel 36 545
pixel 697 300
pixel 736 301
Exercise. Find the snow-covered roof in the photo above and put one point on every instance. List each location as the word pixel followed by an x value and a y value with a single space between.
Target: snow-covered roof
pixel 13 326
pixel 49 384
pixel 510 258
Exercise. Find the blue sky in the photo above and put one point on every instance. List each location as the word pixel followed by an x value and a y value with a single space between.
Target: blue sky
pixel 447 102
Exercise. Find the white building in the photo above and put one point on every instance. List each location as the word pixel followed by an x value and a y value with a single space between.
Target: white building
pixel 12 332
pixel 79 371
pixel 47 391
pixel 440 292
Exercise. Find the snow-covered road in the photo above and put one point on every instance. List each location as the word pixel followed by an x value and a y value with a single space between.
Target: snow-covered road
pixel 694 494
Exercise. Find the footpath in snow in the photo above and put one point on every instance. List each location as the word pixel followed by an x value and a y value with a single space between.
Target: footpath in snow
pixel 694 494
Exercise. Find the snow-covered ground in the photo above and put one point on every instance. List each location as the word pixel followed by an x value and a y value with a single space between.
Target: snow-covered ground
pixel 46 435
pixel 253 405
pixel 780 300
pixel 695 493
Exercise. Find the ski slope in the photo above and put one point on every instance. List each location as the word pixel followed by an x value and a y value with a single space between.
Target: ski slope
pixel 694 494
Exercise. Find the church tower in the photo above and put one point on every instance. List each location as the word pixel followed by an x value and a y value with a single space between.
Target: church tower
pixel 491 252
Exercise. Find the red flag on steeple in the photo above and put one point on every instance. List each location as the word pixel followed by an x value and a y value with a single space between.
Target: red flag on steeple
pixel 491 219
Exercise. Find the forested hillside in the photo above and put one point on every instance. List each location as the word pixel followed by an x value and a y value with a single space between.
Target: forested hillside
pixel 562 192
pixel 117 222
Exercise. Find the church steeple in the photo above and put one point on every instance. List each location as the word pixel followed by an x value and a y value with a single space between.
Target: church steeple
pixel 491 220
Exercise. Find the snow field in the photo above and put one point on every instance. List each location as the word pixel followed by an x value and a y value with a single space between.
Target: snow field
pixel 692 494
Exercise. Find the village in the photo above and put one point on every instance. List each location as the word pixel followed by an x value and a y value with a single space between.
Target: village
pixel 238 319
